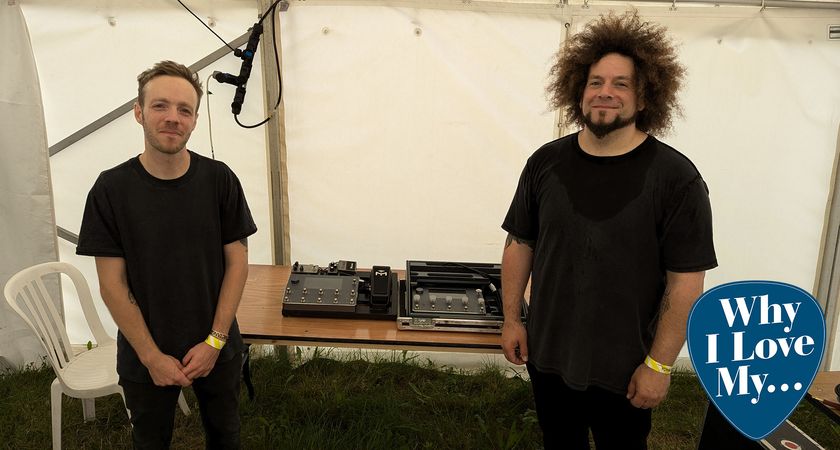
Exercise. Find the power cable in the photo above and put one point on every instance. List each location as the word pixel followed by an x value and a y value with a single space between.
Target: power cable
pixel 209 116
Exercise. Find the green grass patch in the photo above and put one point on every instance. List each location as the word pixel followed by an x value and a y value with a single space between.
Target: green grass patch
pixel 393 402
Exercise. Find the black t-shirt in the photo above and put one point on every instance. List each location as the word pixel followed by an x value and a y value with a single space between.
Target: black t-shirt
pixel 606 229
pixel 171 234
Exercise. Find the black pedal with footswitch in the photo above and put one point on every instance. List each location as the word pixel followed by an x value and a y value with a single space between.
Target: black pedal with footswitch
pixel 341 291
pixel 380 286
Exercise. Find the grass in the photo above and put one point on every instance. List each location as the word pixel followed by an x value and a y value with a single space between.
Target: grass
pixel 396 402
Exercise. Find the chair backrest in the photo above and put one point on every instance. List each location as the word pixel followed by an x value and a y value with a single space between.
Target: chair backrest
pixel 28 296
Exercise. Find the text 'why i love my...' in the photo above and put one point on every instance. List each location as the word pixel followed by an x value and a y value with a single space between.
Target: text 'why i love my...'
pixel 743 349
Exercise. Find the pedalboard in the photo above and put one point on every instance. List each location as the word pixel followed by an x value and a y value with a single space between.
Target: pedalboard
pixel 341 291
pixel 452 296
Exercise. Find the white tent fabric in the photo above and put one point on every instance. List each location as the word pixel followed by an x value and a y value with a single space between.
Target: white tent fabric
pixel 406 138
pixel 27 223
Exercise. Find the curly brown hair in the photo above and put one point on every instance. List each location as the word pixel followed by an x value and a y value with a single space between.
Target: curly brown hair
pixel 172 69
pixel 658 74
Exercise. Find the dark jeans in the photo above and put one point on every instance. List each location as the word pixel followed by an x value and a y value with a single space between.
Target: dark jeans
pixel 153 408
pixel 567 415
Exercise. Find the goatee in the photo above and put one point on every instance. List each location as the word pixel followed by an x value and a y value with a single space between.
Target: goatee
pixel 602 129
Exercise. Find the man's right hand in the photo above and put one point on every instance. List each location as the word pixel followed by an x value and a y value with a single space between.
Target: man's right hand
pixel 167 371
pixel 515 342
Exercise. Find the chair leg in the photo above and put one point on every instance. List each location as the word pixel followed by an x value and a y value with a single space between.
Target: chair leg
pixel 89 409
pixel 182 402
pixel 55 412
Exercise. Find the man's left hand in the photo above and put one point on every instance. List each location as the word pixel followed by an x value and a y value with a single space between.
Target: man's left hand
pixel 647 388
pixel 200 360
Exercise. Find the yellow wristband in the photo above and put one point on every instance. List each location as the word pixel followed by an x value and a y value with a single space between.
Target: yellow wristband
pixel 214 342
pixel 657 366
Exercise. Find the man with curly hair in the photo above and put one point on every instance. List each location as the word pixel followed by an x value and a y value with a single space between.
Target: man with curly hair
pixel 614 229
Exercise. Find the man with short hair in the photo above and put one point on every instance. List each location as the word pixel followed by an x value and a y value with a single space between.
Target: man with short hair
pixel 614 228
pixel 169 232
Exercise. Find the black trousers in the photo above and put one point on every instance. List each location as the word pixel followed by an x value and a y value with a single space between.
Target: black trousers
pixel 566 416
pixel 153 408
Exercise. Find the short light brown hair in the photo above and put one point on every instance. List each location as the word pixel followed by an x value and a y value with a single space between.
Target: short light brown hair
pixel 658 75
pixel 169 68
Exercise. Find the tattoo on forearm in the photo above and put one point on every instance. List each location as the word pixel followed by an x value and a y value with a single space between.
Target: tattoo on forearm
pixel 244 242
pixel 131 298
pixel 511 238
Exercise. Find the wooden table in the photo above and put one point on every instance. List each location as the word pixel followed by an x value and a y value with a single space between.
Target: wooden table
pixel 823 389
pixel 261 322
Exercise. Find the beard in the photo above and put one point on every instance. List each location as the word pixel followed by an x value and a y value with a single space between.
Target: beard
pixel 161 146
pixel 604 128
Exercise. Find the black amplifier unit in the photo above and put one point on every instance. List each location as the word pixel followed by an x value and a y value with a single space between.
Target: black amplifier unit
pixel 452 296
pixel 339 290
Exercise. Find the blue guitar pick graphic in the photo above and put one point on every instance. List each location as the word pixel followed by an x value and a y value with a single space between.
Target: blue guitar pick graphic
pixel 756 347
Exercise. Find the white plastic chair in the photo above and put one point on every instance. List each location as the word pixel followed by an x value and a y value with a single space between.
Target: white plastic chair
pixel 90 374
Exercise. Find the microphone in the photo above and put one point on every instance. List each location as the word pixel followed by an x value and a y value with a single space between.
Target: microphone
pixel 222 77
pixel 241 80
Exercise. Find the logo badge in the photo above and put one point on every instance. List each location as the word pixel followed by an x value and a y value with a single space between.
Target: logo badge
pixel 756 347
